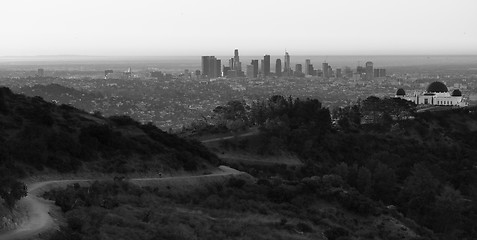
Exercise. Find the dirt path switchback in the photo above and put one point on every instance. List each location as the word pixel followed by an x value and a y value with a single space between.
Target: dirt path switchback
pixel 38 209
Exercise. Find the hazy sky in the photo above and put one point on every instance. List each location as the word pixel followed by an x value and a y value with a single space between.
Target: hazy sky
pixel 255 27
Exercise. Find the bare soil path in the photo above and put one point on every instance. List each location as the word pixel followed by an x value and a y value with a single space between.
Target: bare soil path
pixel 250 133
pixel 38 209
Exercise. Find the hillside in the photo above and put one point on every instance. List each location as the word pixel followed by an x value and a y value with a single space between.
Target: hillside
pixel 313 208
pixel 36 135
pixel 41 138
pixel 420 164
pixel 395 178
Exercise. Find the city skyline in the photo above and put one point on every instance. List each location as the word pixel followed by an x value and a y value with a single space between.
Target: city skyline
pixel 211 68
pixel 184 28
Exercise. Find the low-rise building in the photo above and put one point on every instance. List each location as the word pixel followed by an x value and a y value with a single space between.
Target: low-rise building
pixel 436 94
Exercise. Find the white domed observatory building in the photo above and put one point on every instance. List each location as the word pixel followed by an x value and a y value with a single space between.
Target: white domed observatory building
pixel 436 94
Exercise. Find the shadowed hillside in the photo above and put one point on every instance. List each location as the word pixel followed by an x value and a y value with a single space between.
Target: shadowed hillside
pixel 421 164
pixel 36 135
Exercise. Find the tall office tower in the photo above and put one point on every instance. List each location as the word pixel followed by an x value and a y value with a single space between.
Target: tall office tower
pixel 330 71
pixel 255 68
pixel 319 73
pixel 212 71
pixel 262 66
pixel 266 62
pixel 212 68
pixel 307 64
pixel 278 67
pixel 311 70
pixel 369 71
pixel 237 64
pixel 298 69
pixel 376 73
pixel 236 55
pixel 287 69
pixel 231 63
pixel 250 71
pixel 348 72
pixel 360 70
pixel 379 72
pixel 325 68
pixel 218 65
pixel 226 71
pixel 205 66
pixel 338 73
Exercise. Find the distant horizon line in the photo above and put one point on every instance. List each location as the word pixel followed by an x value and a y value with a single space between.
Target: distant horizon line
pixel 80 55
pixel 246 55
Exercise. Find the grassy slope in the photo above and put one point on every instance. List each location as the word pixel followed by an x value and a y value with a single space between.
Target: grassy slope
pixel 243 150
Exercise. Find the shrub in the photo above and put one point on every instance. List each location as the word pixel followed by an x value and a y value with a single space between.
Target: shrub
pixel 304 227
pixel 75 223
pixel 236 183
pixel 333 180
pixel 11 191
pixel 124 120
pixel 3 105
pixel 336 233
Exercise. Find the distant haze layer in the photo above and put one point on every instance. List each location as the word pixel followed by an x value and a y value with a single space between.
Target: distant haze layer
pixel 175 64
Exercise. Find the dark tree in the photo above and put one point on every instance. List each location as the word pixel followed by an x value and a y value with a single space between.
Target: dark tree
pixel 4 92
pixel 11 191
pixel 384 183
pixel 419 192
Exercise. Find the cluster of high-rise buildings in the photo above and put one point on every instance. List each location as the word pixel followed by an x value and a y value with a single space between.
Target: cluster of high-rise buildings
pixel 211 68
pixel 368 72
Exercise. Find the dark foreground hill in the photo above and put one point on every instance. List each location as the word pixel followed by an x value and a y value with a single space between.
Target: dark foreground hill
pixel 36 135
pixel 421 164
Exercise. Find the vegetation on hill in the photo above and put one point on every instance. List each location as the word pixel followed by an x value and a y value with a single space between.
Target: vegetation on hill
pixel 422 163
pixel 36 135
pixel 269 209
pixel 374 160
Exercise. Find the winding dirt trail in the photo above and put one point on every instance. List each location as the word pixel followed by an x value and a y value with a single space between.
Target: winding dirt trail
pixel 251 133
pixel 39 219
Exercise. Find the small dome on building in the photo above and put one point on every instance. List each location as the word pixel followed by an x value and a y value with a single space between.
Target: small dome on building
pixel 400 92
pixel 437 87
pixel 456 93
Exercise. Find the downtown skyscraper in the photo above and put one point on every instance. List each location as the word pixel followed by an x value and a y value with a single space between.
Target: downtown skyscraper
pixel 205 65
pixel 325 69
pixel 211 67
pixel 287 69
pixel 266 65
pixel 307 71
pixel 237 63
pixel 369 71
pixel 278 67
pixel 255 68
